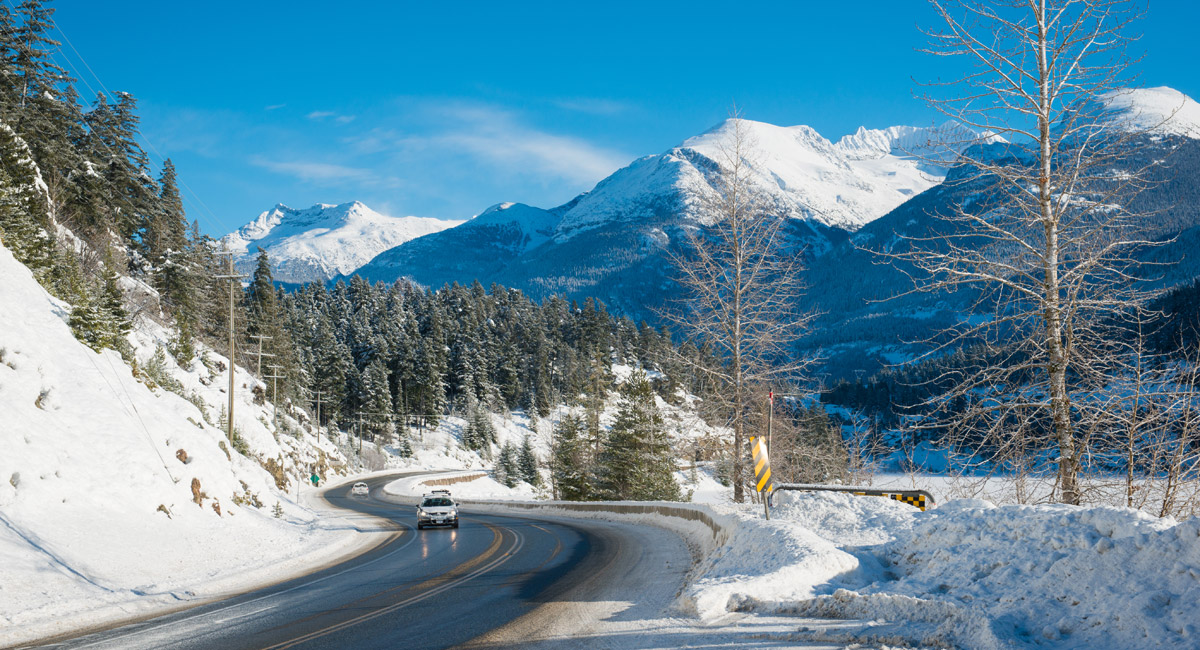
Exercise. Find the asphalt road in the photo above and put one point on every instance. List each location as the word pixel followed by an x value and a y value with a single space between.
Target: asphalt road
pixel 496 581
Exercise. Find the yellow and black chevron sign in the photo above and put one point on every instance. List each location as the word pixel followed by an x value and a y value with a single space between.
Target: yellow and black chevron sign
pixel 912 499
pixel 762 465
pixel 917 500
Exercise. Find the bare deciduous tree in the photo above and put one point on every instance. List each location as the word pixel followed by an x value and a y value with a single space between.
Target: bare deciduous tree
pixel 1045 242
pixel 742 283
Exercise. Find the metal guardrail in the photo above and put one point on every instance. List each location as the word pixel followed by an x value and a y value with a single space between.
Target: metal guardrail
pixel 916 498
pixel 453 480
pixel 682 511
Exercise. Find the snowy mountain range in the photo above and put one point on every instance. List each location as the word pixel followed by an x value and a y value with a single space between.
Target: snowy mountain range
pixel 614 242
pixel 320 242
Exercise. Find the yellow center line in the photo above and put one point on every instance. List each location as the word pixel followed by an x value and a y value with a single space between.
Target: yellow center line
pixel 435 586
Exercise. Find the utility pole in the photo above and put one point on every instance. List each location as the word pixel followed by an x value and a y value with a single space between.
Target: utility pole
pixel 319 394
pixel 260 354
pixel 232 277
pixel 360 433
pixel 770 417
pixel 275 377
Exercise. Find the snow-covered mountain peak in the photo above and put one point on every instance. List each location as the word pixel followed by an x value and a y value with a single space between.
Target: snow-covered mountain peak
pixel 763 140
pixel 1160 110
pixel 325 240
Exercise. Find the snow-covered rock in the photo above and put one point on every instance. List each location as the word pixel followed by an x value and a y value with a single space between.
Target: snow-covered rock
pixel 323 241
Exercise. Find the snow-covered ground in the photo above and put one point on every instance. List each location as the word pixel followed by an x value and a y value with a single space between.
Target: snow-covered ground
pixel 974 575
pixel 117 498
pixel 833 570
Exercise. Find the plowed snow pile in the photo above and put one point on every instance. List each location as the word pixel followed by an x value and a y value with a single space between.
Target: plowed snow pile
pixel 97 519
pixel 968 574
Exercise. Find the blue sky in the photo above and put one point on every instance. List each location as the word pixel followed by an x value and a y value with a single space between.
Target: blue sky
pixel 441 109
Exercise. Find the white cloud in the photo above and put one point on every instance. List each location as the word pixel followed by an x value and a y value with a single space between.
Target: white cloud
pixel 315 171
pixel 273 107
pixel 593 105
pixel 320 115
pixel 498 139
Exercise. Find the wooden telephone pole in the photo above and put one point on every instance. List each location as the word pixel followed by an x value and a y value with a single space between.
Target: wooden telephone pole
pixel 319 394
pixel 275 377
pixel 232 278
pixel 260 354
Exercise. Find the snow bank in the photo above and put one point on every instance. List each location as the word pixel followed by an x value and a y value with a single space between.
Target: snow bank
pixel 970 574
pixel 808 546
pixel 1046 576
pixel 99 482
pixel 474 485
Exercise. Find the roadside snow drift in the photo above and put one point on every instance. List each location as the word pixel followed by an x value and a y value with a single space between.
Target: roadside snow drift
pixel 968 574
pixel 115 499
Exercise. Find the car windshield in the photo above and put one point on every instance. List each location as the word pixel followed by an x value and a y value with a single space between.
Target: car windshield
pixel 435 502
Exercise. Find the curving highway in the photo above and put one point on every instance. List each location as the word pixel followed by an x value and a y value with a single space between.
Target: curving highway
pixel 497 581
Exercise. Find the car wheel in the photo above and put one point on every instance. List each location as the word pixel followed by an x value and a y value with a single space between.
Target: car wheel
pixel 455 524
pixel 420 527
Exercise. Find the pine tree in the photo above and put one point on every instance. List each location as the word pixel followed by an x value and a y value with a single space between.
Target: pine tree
pixel 636 462
pixel 23 207
pixel 98 318
pixel 38 78
pixel 167 247
pixel 265 316
pixel 527 463
pixel 568 464
pixel 88 322
pixel 112 304
pixel 507 470
pixel 479 434
pixel 377 398
pixel 19 230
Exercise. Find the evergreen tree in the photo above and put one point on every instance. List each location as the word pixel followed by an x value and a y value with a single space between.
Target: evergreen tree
pixel 568 464
pixel 112 303
pixel 20 231
pixel 264 316
pixel 377 398
pixel 88 322
pixel 507 470
pixel 636 462
pixel 23 207
pixel 331 366
pixel 527 463
pixel 167 247
pixel 37 77
pixel 98 319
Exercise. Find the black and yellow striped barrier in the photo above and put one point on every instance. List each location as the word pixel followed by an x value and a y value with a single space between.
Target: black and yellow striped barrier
pixel 762 465
pixel 916 498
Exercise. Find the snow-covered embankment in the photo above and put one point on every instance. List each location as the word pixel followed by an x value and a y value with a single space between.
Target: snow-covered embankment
pixel 117 500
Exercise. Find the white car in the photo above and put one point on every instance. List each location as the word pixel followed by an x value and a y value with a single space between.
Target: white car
pixel 360 489
pixel 437 509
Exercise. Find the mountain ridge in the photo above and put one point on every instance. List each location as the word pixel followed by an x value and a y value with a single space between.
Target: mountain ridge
pixel 315 243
